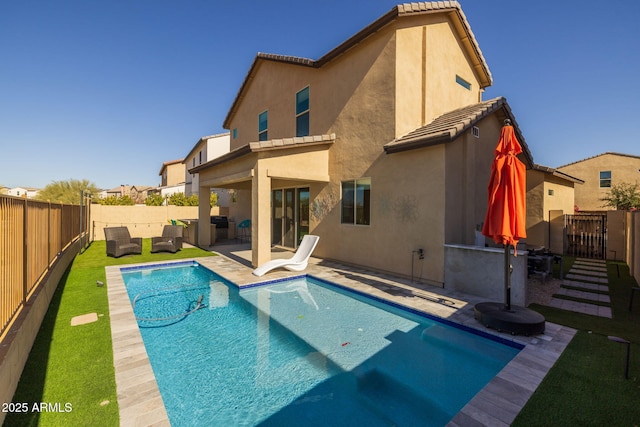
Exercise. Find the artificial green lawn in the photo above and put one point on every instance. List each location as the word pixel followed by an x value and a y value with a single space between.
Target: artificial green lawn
pixel 586 387
pixel 74 364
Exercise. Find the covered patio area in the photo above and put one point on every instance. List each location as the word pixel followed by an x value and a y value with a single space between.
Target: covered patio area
pixel 256 172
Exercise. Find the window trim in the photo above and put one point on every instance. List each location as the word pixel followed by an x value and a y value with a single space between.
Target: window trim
pixel 605 180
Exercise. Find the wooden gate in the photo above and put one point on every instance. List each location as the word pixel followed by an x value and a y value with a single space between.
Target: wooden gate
pixel 586 235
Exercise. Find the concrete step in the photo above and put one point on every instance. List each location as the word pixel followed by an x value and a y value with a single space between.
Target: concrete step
pixel 581 307
pixel 583 278
pixel 591 296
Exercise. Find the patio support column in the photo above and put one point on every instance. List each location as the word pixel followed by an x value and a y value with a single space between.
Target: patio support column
pixel 204 217
pixel 260 216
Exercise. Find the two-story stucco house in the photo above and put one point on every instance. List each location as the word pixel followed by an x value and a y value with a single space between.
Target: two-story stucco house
pixel 207 148
pixel 381 147
pixel 172 175
pixel 599 174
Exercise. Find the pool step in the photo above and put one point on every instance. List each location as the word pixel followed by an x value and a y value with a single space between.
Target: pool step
pixel 396 402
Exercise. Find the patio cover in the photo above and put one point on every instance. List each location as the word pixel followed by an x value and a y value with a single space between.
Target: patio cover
pixel 300 160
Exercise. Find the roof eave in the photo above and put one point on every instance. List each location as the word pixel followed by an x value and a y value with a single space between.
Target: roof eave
pixel 231 155
pixel 420 142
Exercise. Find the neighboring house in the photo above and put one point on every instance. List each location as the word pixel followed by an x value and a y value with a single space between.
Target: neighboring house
pixel 550 194
pixel 137 192
pixel 140 192
pixel 4 190
pixel 207 148
pixel 381 147
pixel 172 175
pixel 27 192
pixel 599 174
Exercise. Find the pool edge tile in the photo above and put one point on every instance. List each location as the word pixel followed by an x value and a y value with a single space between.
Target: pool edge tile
pixel 139 404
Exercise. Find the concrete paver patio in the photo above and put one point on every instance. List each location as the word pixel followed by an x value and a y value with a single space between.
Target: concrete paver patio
pixel 497 404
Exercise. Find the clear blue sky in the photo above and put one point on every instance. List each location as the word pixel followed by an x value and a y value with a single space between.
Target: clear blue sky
pixel 108 90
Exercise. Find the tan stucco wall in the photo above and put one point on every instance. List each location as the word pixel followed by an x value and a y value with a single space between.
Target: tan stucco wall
pixel 632 223
pixel 142 221
pixel 175 174
pixel 387 85
pixel 616 242
pixel 428 58
pixel 624 169
pixel 540 203
pixel 340 92
pixel 468 169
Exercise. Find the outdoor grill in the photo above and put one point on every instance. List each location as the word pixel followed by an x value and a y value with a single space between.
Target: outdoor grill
pixel 220 221
pixel 222 226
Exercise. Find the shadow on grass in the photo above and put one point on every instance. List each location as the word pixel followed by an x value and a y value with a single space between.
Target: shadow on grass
pixel 31 386
pixel 587 386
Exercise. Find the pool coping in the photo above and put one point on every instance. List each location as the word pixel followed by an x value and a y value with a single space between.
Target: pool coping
pixel 497 404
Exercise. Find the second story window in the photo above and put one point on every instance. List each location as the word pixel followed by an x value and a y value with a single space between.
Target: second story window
pixel 302 112
pixel 462 82
pixel 263 125
pixel 605 179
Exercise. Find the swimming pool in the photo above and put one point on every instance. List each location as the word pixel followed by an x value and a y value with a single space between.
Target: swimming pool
pixel 300 352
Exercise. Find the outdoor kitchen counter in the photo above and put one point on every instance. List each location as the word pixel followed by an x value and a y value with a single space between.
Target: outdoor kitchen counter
pixel 478 270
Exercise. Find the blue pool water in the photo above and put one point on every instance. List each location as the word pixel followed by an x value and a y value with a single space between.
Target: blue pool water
pixel 301 352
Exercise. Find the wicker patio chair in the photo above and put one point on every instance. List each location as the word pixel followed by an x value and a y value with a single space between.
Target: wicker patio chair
pixel 170 241
pixel 120 242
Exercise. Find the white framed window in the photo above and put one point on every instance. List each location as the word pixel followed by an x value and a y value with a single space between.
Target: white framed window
pixel 605 179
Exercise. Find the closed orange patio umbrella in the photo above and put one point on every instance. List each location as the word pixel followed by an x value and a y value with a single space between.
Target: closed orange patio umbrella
pixel 505 221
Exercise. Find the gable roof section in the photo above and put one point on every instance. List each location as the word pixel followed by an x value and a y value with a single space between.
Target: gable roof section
pixel 169 163
pixel 202 140
pixel 557 173
pixel 453 8
pixel 599 155
pixel 451 125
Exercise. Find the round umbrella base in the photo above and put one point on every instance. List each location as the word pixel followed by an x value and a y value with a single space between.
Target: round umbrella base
pixel 516 321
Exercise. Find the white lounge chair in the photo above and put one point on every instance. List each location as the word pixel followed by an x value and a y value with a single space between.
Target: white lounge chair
pixel 299 260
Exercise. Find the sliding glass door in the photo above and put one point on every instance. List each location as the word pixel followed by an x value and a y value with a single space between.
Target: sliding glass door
pixel 289 216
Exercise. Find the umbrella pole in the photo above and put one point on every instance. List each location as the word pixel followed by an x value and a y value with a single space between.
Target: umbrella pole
pixel 507 277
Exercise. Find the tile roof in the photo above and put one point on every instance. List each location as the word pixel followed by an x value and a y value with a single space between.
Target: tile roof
pixel 557 173
pixel 406 9
pixel 451 125
pixel 289 142
pixel 599 155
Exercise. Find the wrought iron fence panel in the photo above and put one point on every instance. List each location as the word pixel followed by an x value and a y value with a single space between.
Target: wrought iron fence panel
pixel 586 235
